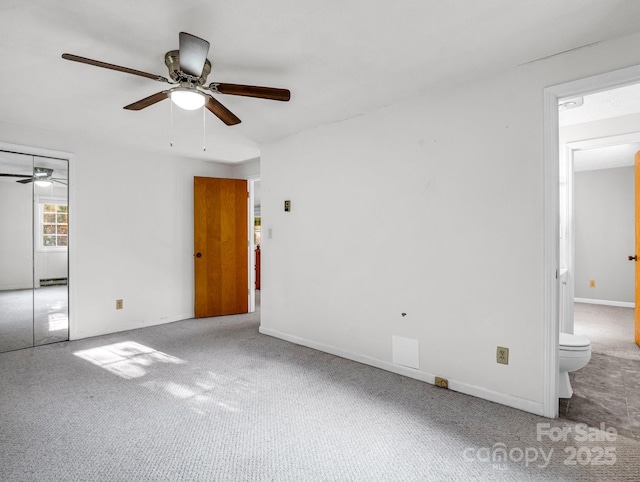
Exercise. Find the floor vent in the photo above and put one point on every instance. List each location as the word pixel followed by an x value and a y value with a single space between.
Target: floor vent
pixel 53 282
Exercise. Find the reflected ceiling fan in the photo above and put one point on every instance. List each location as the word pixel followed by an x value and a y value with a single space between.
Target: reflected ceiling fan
pixel 42 176
pixel 188 71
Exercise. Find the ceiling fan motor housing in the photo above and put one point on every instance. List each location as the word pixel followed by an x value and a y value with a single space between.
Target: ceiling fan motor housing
pixel 172 60
pixel 42 172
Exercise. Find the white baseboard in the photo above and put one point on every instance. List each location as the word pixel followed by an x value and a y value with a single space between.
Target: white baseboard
pixel 15 287
pixel 116 328
pixel 497 397
pixel 623 304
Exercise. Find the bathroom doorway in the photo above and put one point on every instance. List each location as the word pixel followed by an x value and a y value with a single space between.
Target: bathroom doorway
pixel 597 236
pixel 553 283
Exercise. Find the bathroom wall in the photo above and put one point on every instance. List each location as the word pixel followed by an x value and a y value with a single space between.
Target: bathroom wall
pixel 605 234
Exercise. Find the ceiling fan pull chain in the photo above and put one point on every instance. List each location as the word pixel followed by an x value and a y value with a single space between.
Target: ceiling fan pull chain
pixel 204 130
pixel 171 125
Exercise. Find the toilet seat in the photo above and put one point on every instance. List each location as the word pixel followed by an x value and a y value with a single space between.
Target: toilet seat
pixel 574 343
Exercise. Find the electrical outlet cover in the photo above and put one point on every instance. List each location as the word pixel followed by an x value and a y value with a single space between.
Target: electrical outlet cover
pixel 502 355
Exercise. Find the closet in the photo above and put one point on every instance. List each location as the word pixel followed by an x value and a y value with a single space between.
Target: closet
pixel 34 233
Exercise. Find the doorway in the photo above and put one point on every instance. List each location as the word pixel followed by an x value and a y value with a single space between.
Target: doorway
pixel 551 216
pixel 559 288
pixel 34 258
pixel 223 215
pixel 220 246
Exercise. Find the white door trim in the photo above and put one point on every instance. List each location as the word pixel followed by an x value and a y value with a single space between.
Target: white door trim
pixel 252 248
pixel 551 214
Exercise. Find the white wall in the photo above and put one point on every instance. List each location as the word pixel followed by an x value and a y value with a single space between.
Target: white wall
pixel 431 207
pixel 131 232
pixel 613 126
pixel 247 170
pixel 147 260
pixel 50 265
pixel 16 256
pixel 605 234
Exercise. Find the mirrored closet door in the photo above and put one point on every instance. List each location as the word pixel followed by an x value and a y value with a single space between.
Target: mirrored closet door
pixel 34 233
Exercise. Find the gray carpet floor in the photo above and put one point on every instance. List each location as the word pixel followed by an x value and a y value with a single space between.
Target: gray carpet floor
pixel 610 329
pixel 212 399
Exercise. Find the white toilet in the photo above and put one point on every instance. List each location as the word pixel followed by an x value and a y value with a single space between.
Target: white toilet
pixel 575 352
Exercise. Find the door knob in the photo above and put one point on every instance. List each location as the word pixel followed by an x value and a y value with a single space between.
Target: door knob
pixel 633 258
pixel 198 255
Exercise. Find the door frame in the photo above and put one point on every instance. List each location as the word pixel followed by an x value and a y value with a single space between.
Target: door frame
pixel 252 249
pixel 71 192
pixel 551 216
pixel 218 233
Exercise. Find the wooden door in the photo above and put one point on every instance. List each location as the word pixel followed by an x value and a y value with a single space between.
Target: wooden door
pixel 220 246
pixel 637 195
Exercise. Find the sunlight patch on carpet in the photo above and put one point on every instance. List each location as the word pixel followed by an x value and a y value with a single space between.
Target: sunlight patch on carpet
pixel 58 321
pixel 127 359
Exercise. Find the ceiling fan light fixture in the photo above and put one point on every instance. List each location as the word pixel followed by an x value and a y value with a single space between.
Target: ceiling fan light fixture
pixel 188 71
pixel 42 183
pixel 188 99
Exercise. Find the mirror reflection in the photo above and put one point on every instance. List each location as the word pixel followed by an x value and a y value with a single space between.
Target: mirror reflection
pixel 34 230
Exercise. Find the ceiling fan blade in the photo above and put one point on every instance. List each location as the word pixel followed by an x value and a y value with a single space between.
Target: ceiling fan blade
pixel 25 181
pixel 193 54
pixel 224 114
pixel 16 175
pixel 104 65
pixel 147 101
pixel 252 91
pixel 60 182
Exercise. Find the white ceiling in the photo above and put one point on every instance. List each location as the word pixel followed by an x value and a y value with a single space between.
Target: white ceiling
pixel 339 59
pixel 622 155
pixel 599 106
pixel 604 105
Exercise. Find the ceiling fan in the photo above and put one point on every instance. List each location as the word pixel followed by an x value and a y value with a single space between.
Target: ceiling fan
pixel 42 176
pixel 188 71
